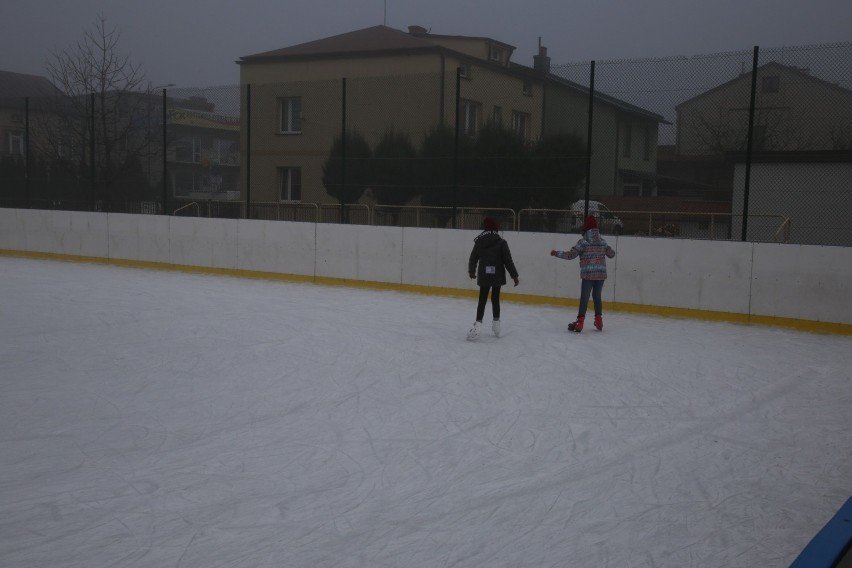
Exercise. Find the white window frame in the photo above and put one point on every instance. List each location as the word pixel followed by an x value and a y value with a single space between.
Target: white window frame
pixel 190 145
pixel 465 72
pixel 290 115
pixel 289 182
pixel 497 116
pixel 65 149
pixel 469 112
pixel 16 143
pixel 495 53
pixel 521 124
pixel 527 89
pixel 222 152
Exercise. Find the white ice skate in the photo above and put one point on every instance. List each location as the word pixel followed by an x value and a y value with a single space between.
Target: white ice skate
pixel 473 334
pixel 495 327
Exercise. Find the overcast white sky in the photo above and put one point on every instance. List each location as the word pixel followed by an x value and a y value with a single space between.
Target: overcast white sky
pixel 194 43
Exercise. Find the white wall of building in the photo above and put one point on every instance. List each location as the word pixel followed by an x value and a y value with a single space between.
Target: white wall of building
pixel 804 282
pixel 814 196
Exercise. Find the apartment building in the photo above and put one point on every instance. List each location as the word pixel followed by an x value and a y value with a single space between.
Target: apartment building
pixel 297 99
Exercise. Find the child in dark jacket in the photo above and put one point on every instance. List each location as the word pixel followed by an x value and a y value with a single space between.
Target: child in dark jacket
pixel 593 251
pixel 491 253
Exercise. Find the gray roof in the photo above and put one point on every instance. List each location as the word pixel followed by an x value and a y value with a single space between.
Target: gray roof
pixel 383 39
pixel 20 85
pixel 367 40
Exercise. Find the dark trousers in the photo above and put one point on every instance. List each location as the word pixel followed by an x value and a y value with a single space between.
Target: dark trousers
pixel 594 288
pixel 483 299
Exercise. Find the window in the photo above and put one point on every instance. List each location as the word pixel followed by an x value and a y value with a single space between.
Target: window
pixel 758 137
pixel 469 117
pixel 527 89
pixel 495 54
pixel 16 143
pixel 628 139
pixel 646 144
pixel 64 148
pixel 225 152
pixel 520 124
pixel 290 110
pixel 289 184
pixel 186 182
pixel 631 186
pixel 770 84
pixel 497 116
pixel 464 70
pixel 188 149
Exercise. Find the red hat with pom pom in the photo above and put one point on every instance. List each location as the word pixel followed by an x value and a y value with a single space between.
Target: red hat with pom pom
pixel 590 223
pixel 490 224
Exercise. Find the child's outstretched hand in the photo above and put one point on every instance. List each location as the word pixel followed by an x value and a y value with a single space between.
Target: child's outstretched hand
pixel 553 253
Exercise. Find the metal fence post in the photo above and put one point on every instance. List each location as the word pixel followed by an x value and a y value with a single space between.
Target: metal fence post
pixel 456 144
pixel 27 151
pixel 749 140
pixel 589 140
pixel 344 217
pixel 92 149
pixel 165 161
pixel 248 150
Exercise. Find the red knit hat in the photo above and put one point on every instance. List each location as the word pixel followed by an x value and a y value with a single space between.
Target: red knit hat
pixel 490 224
pixel 590 223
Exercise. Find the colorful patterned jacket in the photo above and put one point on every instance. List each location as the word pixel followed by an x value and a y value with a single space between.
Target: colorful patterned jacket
pixel 593 251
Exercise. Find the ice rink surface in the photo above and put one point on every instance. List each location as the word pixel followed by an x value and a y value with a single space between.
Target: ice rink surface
pixel 163 419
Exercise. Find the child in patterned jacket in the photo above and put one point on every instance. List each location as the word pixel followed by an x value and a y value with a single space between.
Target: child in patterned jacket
pixel 593 251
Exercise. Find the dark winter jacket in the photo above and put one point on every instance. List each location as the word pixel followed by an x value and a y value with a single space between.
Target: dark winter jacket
pixel 593 251
pixel 492 254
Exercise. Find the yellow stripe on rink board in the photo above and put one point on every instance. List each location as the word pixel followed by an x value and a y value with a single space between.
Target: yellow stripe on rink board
pixel 662 311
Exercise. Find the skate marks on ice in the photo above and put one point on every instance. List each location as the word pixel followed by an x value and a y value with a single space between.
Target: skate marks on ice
pixel 206 421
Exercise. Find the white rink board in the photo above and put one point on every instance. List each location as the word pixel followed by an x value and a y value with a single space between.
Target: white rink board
pixel 13 226
pixel 353 252
pixel 436 257
pixel 679 273
pixel 805 282
pixel 209 243
pixel 55 232
pixel 802 282
pixel 276 247
pixel 139 237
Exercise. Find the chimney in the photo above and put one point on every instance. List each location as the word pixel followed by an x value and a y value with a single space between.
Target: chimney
pixel 417 30
pixel 541 62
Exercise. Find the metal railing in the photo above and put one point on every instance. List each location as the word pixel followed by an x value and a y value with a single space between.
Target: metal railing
pixel 679 224
pixel 188 206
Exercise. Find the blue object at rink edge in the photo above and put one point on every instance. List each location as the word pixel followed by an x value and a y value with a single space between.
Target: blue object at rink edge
pixel 830 545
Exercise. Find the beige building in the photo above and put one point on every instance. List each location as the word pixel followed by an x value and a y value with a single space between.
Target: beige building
pixel 15 89
pixel 293 108
pixel 794 111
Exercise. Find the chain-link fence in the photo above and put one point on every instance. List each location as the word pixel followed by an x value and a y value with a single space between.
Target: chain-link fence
pixel 753 145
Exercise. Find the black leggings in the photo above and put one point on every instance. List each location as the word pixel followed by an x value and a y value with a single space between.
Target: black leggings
pixel 483 299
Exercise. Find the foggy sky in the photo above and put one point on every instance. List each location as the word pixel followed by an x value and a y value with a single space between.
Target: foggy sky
pixel 195 43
